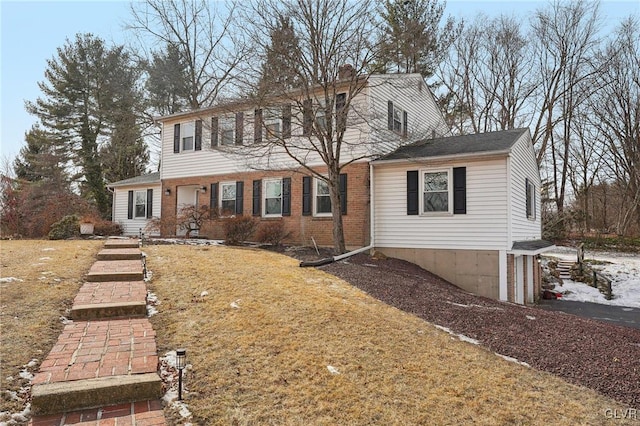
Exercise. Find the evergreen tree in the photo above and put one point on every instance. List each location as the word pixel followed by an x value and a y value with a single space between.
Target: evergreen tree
pixel 167 82
pixel 87 89
pixel 280 69
pixel 41 159
pixel 411 39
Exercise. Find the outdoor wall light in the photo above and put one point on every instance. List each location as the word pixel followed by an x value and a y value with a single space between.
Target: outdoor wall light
pixel 203 188
pixel 181 362
pixel 167 191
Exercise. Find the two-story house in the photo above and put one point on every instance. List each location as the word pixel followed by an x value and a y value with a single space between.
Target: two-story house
pixel 222 157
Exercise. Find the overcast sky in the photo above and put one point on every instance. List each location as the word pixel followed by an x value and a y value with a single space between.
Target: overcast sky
pixel 32 31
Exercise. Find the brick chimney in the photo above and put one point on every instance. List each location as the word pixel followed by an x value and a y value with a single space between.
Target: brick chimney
pixel 346 72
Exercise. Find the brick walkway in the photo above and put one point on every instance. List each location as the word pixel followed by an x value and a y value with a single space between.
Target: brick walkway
pixel 103 370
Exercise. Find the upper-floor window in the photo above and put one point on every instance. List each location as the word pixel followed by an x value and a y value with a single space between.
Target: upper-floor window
pixel 397 119
pixel 316 115
pixel 436 191
pixel 187 136
pixel 227 130
pixel 530 194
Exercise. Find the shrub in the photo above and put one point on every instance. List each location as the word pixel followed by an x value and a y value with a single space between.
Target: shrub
pixel 239 229
pixel 272 232
pixel 107 228
pixel 67 227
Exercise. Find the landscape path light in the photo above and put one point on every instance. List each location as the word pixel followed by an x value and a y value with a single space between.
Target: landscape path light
pixel 181 362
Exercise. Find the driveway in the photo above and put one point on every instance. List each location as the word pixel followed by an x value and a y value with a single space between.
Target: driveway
pixel 618 315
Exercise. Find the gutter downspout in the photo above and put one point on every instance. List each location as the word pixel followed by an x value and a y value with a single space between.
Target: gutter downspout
pixel 328 260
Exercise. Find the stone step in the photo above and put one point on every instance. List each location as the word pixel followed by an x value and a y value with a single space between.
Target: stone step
pixel 101 300
pixel 116 270
pixel 120 254
pixel 115 243
pixel 135 413
pixel 98 363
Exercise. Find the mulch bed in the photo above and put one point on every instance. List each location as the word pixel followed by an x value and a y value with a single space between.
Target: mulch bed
pixel 585 352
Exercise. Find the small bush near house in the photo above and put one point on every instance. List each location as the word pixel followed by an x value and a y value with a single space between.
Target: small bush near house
pixel 272 233
pixel 239 229
pixel 107 228
pixel 67 227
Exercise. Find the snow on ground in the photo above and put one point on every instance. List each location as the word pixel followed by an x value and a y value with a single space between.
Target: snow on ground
pixel 622 268
pixel 10 280
pixel 169 375
pixel 152 302
pixel 459 336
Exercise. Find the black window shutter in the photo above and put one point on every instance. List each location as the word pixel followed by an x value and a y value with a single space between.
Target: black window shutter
pixel 405 119
pixel 459 190
pixel 213 197
pixel 286 121
pixel 130 206
pixel 239 197
pixel 198 141
pixel 214 131
pixel 257 126
pixel 257 186
pixel 390 115
pixel 412 192
pixel 306 196
pixel 239 127
pixel 343 193
pixel 307 117
pixel 149 203
pixel 527 192
pixel 341 112
pixel 286 196
pixel 176 138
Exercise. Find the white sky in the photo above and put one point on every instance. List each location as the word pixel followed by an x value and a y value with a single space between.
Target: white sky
pixel 31 31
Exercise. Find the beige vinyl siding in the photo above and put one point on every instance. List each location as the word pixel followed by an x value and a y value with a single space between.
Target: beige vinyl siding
pixel 523 165
pixel 484 227
pixel 121 202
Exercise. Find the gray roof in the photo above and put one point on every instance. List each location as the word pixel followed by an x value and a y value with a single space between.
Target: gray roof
pixel 479 143
pixel 531 245
pixel 138 180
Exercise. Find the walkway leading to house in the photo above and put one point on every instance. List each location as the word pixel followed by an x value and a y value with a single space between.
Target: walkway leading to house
pixel 103 370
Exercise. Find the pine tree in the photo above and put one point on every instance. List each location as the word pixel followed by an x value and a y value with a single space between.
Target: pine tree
pixel 280 69
pixel 167 82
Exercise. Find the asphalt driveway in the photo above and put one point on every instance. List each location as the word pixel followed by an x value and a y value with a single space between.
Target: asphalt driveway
pixel 618 315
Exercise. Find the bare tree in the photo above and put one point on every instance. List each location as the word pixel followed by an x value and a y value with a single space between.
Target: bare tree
pixel 330 34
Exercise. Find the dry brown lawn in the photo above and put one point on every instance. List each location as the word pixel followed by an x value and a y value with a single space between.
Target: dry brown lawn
pixel 49 274
pixel 260 344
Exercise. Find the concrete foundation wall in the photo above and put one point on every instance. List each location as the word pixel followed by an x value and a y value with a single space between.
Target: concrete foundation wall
pixel 476 271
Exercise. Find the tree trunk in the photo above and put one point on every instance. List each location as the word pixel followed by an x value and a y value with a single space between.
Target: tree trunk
pixel 339 246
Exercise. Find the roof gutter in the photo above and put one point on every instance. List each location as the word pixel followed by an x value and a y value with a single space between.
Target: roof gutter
pixel 442 158
pixel 328 260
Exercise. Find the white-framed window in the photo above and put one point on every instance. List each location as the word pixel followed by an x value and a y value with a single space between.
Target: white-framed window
pixel 398 119
pixel 140 204
pixel 188 133
pixel 322 199
pixel 436 191
pixel 272 118
pixel 227 126
pixel 272 197
pixel 228 198
pixel 530 193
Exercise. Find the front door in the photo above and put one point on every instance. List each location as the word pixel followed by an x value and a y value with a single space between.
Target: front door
pixel 187 198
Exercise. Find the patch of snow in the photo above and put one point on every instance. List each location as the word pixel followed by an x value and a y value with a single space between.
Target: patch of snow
pixel 531 317
pixel 459 336
pixel 169 375
pixel 510 359
pixel 11 395
pixel 234 304
pixel 66 320
pixel 32 363
pixel 48 249
pixel 204 293
pixel 622 268
pixel 371 265
pixel 332 369
pixel 152 302
pixel 45 258
pixel 149 276
pixel 10 280
pixel 25 374
pixel 473 305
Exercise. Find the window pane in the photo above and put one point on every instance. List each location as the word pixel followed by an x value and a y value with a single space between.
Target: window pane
pixel 436 202
pixel 141 197
pixel 140 210
pixel 273 206
pixel 227 137
pixel 273 130
pixel 229 192
pixel 228 206
pixel 273 189
pixel 187 143
pixel 322 188
pixel 435 181
pixel 323 204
